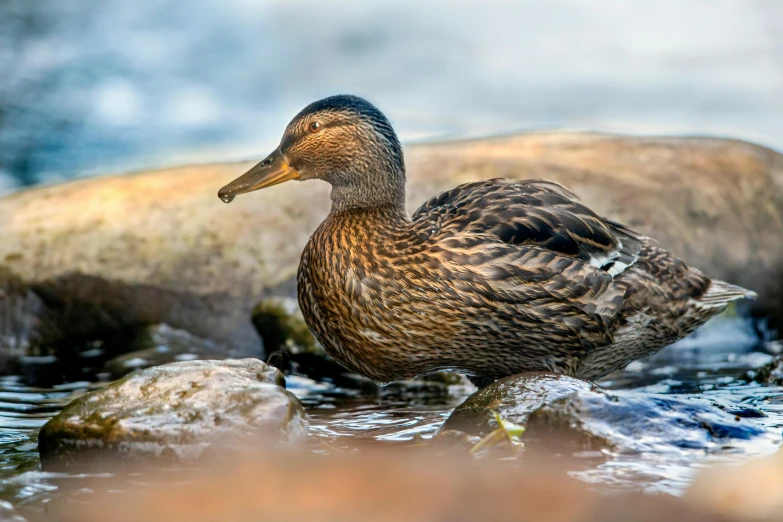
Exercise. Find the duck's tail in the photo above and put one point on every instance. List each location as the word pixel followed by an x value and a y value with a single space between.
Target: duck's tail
pixel 721 293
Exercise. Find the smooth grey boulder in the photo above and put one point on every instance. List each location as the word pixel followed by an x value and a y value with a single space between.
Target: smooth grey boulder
pixel 172 414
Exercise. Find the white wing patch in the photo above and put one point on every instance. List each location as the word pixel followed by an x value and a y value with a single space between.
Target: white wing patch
pixel 611 263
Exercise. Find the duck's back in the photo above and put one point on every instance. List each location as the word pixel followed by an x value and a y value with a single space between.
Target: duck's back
pixel 495 278
pixel 646 299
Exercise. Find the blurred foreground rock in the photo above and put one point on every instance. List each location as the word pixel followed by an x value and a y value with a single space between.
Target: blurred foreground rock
pixel 159 247
pixel 752 490
pixel 172 414
pixel 578 416
pixel 397 486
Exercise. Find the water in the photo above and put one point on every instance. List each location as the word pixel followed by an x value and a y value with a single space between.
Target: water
pixel 707 366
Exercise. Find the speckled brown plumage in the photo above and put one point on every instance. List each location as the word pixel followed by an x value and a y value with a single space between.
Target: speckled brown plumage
pixel 489 279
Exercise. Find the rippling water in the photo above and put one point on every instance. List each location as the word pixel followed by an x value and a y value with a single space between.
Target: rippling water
pixel 706 366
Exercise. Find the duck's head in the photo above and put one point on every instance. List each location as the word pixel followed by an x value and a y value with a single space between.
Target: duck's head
pixel 343 140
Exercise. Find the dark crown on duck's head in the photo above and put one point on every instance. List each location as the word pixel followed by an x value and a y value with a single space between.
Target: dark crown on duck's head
pixel 344 140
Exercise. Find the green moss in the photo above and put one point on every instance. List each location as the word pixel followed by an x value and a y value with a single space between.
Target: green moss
pixel 281 330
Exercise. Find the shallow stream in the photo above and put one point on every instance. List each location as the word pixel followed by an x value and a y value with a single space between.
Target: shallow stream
pixel 710 365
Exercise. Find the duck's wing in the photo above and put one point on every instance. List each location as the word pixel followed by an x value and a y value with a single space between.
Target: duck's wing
pixel 532 247
pixel 533 212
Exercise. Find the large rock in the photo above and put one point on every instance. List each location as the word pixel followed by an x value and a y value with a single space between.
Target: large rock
pixel 714 202
pixel 172 413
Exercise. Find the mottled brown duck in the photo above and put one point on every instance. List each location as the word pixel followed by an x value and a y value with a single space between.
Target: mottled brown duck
pixel 488 279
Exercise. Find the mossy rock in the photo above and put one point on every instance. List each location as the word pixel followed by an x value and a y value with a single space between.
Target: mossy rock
pixel 172 413
pixel 515 397
pixel 281 326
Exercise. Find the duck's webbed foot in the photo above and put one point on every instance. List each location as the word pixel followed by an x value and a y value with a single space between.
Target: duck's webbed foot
pixel 480 381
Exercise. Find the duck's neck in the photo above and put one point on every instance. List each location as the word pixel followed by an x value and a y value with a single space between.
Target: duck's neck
pixel 370 193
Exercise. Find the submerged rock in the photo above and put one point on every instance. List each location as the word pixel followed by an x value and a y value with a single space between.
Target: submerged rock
pixel 573 415
pixel 172 413
pixel 637 422
pixel 514 398
pixel 165 345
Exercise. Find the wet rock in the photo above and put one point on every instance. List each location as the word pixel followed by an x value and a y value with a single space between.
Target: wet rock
pixel 165 345
pixel 750 491
pixel 770 374
pixel 281 326
pixel 172 414
pixel 514 398
pixel 567 414
pixel 636 422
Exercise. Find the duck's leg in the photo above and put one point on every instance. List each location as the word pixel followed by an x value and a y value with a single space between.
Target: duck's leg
pixel 480 381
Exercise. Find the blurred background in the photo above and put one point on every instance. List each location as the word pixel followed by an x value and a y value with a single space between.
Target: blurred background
pixel 99 86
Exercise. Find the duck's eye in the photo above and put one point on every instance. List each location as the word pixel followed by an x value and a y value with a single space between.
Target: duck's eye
pixel 315 126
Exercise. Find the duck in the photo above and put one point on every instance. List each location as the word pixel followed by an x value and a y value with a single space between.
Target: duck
pixel 489 279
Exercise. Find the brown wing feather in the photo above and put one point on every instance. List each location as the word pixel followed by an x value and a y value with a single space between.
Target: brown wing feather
pixel 532 245
pixel 533 212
